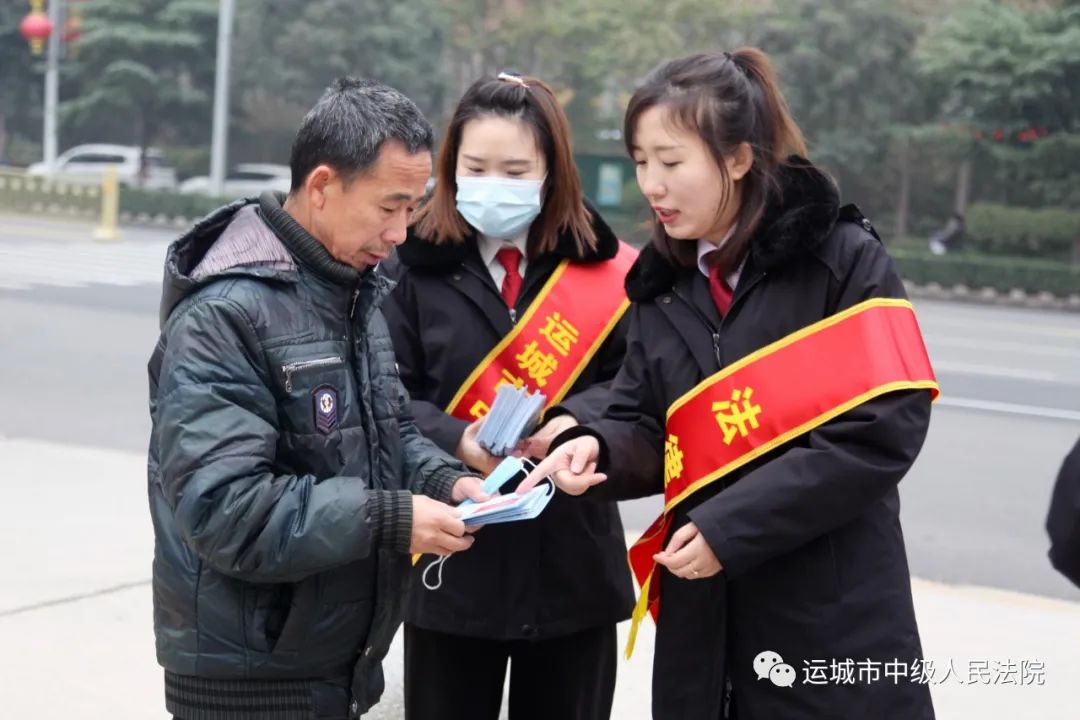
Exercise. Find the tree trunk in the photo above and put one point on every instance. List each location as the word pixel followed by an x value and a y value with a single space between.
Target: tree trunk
pixel 140 140
pixel 963 186
pixel 3 139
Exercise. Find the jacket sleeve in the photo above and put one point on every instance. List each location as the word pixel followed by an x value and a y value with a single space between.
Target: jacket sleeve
pixel 1063 520
pixel 400 312
pixel 428 469
pixel 631 432
pixel 589 404
pixel 843 467
pixel 217 419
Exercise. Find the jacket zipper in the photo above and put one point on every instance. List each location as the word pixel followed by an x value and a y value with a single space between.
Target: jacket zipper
pixel 352 305
pixel 713 330
pixel 349 337
pixel 295 367
pixel 359 363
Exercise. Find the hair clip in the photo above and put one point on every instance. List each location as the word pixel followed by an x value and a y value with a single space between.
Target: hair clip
pixel 510 77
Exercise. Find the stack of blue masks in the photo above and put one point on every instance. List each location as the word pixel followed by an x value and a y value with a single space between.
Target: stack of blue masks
pixel 511 506
pixel 513 416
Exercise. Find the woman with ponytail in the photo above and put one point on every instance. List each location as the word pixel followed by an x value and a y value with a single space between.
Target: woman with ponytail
pixel 776 389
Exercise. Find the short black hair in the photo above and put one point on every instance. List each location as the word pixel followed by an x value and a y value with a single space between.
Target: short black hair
pixel 348 126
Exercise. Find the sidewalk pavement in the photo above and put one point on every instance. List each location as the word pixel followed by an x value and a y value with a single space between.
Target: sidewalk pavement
pixel 81 534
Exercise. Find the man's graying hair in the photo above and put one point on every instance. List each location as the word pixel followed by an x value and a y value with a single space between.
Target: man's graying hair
pixel 349 125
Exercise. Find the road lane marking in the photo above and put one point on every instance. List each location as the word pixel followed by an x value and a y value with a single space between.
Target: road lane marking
pixel 993 345
pixel 965 368
pixel 928 320
pixel 1009 408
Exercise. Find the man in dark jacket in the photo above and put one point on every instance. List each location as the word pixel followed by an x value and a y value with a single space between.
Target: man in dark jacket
pixel 288 482
pixel 1063 521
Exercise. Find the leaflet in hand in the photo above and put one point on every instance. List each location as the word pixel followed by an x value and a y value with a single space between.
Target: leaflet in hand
pixel 511 506
pixel 513 416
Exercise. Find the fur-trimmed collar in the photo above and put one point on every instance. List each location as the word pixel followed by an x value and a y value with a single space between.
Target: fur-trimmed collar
pixel 797 221
pixel 421 252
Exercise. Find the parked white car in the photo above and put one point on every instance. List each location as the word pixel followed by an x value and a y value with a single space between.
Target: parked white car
pixel 86 164
pixel 244 180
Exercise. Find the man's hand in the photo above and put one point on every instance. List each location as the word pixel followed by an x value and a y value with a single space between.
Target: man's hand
pixel 469 488
pixel 436 528
pixel 539 443
pixel 688 556
pixel 472 454
pixel 572 466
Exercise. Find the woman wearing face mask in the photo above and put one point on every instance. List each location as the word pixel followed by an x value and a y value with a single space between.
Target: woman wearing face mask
pixel 776 389
pixel 509 276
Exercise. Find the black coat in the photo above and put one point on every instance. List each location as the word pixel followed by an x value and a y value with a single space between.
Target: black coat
pixel 565 571
pixel 1063 521
pixel 809 535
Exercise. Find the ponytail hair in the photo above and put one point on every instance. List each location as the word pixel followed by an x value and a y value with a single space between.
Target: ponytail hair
pixel 726 99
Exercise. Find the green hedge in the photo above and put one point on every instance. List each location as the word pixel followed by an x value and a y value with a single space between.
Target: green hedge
pixel 979 271
pixel 1047 233
pixel 154 203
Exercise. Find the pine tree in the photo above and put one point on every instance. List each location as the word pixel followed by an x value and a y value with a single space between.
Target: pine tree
pixel 144 70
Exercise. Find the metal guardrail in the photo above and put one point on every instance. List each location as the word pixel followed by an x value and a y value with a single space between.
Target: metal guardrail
pixel 24 193
pixel 54 197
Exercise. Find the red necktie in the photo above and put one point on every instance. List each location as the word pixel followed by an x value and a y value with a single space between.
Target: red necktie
pixel 719 289
pixel 510 258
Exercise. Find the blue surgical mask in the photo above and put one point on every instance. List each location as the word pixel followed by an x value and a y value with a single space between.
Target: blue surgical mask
pixel 500 208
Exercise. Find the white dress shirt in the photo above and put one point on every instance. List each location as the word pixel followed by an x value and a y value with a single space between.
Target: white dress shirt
pixel 490 247
pixel 704 248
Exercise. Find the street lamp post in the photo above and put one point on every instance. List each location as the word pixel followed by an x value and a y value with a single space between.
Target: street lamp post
pixel 52 83
pixel 219 134
pixel 39 28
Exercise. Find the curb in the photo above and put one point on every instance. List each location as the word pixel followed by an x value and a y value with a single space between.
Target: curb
pixel 989 296
pixel 156 221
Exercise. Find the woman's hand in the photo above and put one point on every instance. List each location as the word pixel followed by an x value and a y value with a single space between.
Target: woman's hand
pixel 470 453
pixel 539 444
pixel 688 556
pixel 572 466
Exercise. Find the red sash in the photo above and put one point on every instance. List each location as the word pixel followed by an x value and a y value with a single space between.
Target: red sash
pixel 772 396
pixel 555 339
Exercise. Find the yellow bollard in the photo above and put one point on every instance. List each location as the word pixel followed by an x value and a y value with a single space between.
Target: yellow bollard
pixel 110 206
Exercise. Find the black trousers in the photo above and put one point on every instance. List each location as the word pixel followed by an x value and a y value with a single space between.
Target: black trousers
pixel 450 677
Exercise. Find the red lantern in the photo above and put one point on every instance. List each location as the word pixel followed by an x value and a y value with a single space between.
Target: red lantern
pixel 71 30
pixel 999 135
pixel 73 26
pixel 36 28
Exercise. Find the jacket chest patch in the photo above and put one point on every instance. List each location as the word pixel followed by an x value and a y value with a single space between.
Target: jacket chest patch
pixel 325 401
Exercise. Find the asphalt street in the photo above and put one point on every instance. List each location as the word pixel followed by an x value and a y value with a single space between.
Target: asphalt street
pixel 78 321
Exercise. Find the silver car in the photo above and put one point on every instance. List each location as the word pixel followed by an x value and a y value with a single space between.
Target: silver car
pixel 244 180
pixel 86 164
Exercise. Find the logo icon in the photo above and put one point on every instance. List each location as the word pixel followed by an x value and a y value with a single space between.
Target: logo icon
pixel 326 404
pixel 769 665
